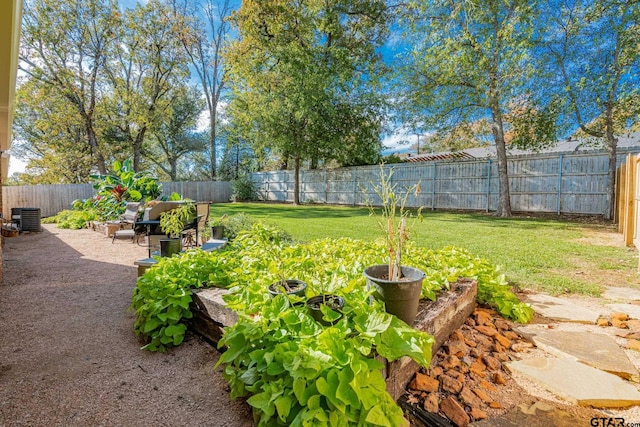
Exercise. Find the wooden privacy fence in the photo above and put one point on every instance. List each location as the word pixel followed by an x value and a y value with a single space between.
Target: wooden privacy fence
pixel 565 183
pixel 52 199
pixel 628 200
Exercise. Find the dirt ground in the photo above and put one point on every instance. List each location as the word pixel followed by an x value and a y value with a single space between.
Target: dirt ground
pixel 68 353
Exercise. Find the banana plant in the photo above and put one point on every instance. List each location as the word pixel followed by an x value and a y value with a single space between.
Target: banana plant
pixel 124 185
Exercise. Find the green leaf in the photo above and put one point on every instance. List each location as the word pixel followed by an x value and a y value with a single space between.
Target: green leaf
pixel 344 391
pixel 261 401
pixel 377 417
pixel 236 347
pixel 283 406
pixel 299 387
pixel 135 195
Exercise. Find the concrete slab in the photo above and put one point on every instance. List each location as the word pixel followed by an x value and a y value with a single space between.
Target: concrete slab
pixel 621 294
pixel 561 310
pixel 598 350
pixel 631 309
pixel 578 383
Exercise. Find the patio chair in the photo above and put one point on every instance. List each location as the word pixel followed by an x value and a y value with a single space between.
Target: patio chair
pixel 129 218
pixel 193 230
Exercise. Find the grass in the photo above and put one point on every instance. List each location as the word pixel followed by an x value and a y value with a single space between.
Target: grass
pixel 541 254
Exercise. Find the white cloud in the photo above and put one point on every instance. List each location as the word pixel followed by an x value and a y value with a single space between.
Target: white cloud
pixel 397 140
pixel 16 165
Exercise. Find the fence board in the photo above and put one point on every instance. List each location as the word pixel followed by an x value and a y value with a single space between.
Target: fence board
pixel 52 199
pixel 569 183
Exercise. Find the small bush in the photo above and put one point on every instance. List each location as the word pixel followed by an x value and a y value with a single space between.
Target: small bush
pixel 235 224
pixel 245 189
pixel 71 219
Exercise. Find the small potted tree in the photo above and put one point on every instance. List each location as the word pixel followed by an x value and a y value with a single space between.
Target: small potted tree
pixel 217 227
pixel 172 223
pixel 288 287
pixel 397 285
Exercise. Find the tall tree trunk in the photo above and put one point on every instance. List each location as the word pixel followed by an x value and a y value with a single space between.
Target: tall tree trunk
pixel 212 141
pixel 137 149
pixel 296 188
pixel 93 144
pixel 504 196
pixel 174 168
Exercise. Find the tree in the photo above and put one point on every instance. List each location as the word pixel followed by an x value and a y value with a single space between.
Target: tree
pixel 64 46
pixel 296 67
pixel 238 159
pixel 145 65
pixel 51 134
pixel 176 135
pixel 470 59
pixel 206 31
pixel 593 50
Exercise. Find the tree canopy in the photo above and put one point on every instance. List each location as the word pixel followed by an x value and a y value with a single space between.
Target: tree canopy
pixel 303 74
pixel 469 60
pixel 591 51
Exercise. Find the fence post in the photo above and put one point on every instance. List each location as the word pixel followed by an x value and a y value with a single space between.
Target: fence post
pixel 488 184
pixel 355 185
pixel 560 162
pixel 326 193
pixel 433 187
pixel 630 196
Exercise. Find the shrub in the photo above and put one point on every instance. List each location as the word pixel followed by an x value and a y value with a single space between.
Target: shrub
pixel 125 185
pixel 244 188
pixel 73 219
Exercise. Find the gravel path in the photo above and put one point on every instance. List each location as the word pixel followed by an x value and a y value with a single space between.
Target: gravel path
pixel 68 353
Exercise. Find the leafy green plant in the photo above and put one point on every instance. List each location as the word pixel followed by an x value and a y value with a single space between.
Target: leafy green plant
pixel 172 222
pixel 71 219
pixel 162 295
pixel 248 266
pixel 244 189
pixel 298 372
pixel 393 220
pixel 293 370
pixel 446 265
pixel 214 222
pixel 113 191
pixel 235 224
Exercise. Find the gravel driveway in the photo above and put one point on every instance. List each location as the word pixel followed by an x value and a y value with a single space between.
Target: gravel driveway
pixel 68 353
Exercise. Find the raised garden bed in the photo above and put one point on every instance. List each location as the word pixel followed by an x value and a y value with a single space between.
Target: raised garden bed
pixel 438 318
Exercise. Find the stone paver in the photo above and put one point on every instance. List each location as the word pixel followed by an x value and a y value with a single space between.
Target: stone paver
pixel 561 310
pixel 631 309
pixel 538 414
pixel 621 294
pixel 597 350
pixel 578 383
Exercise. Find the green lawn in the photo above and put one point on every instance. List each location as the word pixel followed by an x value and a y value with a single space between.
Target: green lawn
pixel 539 254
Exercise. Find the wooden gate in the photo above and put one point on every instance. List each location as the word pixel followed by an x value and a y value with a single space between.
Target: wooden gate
pixel 628 201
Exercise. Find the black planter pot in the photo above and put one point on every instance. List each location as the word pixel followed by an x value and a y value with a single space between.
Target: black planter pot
pixel 217 232
pixel 297 287
pixel 334 302
pixel 170 247
pixel 402 297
